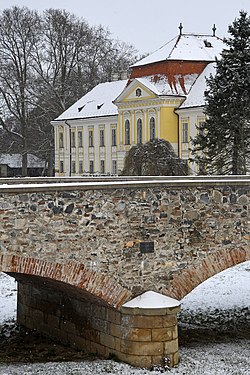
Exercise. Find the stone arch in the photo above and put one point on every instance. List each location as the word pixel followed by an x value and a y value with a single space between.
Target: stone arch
pixel 188 279
pixel 76 275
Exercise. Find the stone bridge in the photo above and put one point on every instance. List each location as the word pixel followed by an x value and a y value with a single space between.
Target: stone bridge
pixel 101 264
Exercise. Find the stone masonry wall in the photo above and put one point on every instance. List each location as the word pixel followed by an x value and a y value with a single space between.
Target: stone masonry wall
pixel 141 338
pixel 188 227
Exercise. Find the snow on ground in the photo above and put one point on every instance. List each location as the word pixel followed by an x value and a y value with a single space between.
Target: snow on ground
pixel 8 289
pixel 230 288
pixel 221 300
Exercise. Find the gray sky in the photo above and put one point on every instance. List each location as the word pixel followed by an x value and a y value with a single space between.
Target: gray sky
pixel 147 24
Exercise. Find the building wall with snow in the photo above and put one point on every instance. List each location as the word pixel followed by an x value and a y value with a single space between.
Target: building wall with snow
pixel 157 101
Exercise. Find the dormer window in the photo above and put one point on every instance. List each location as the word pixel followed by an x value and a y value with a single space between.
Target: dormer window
pixel 207 43
pixel 138 92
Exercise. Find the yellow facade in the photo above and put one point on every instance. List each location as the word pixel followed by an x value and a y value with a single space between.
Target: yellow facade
pixel 147 109
pixel 169 124
pixel 147 117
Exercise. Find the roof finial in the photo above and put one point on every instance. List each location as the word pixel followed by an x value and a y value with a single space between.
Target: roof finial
pixel 214 29
pixel 180 27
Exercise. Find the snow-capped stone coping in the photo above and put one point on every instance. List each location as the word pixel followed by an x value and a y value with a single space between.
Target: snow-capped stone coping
pixel 150 326
pixel 55 184
pixel 152 300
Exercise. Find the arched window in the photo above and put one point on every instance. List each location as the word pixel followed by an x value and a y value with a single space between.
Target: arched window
pixel 139 131
pixel 127 132
pixel 152 128
pixel 138 92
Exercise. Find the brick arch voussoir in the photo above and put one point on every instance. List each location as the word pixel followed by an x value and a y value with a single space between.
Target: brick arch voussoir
pixel 186 280
pixel 77 275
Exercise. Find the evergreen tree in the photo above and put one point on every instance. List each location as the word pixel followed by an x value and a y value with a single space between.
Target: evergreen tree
pixel 222 145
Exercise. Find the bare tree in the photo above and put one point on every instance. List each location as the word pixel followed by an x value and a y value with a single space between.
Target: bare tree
pixel 57 58
pixel 18 36
pixel 47 62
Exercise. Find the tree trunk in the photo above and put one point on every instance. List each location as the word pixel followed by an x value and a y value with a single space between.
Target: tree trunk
pixel 235 156
pixel 25 164
pixel 51 163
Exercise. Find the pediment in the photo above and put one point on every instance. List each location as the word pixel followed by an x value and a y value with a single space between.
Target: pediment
pixel 135 91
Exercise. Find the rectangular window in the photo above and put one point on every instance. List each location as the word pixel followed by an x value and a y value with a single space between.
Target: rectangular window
pixel 91 141
pixel 101 137
pixel 80 167
pixel 184 132
pixel 73 167
pixel 60 139
pixel 91 166
pixel 80 139
pixel 73 139
pixel 113 136
pixel 114 167
pixel 61 167
pixel 102 167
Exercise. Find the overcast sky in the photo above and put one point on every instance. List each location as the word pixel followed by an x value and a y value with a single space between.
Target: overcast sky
pixel 147 24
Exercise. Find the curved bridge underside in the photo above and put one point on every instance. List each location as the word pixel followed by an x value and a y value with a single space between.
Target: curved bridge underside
pixel 71 275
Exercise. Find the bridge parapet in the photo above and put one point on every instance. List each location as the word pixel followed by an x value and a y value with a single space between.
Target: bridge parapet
pixel 115 240
pixel 107 227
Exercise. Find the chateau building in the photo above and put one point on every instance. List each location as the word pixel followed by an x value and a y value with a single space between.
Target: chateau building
pixel 162 98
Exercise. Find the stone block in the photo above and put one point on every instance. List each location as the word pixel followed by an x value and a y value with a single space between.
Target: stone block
pixel 144 312
pixel 162 334
pixel 169 320
pixel 117 344
pixel 173 310
pixel 91 334
pixel 136 334
pixel 37 316
pixel 243 200
pixel 115 330
pixel 99 312
pixel 77 342
pixel 217 196
pixel 99 349
pixel 142 348
pixel 171 347
pixel 107 340
pixel 20 223
pixel 68 327
pixel 53 321
pixel 175 332
pixel 157 360
pixel 141 321
pixel 100 325
pixel 175 359
pixel 113 316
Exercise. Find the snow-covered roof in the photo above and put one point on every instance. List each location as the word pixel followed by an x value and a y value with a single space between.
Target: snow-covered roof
pixel 196 97
pixel 96 103
pixel 15 161
pixel 152 300
pixel 162 85
pixel 189 47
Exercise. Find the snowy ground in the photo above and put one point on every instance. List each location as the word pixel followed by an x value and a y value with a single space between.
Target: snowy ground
pixel 221 303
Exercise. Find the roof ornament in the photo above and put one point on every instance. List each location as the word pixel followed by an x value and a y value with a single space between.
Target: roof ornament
pixel 180 28
pixel 214 29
